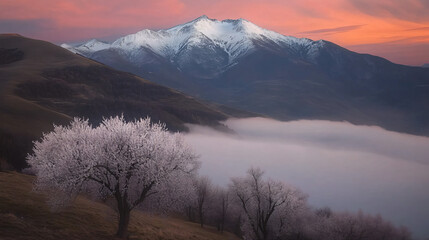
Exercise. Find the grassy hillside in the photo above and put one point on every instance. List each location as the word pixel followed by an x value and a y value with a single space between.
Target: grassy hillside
pixel 42 84
pixel 25 215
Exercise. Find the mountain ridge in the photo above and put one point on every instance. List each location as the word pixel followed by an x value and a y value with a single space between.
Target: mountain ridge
pixel 234 37
pixel 279 76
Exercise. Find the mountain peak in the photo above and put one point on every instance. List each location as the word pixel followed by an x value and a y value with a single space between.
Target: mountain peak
pixel 229 20
pixel 234 37
pixel 225 26
pixel 202 17
pixel 228 29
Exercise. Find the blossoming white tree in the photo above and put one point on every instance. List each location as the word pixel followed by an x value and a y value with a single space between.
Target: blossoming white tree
pixel 129 161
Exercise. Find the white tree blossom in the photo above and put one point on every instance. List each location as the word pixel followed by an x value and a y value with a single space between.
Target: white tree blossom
pixel 129 161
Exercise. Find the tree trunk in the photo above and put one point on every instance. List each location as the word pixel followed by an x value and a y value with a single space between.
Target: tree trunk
pixel 201 215
pixel 190 214
pixel 201 221
pixel 124 220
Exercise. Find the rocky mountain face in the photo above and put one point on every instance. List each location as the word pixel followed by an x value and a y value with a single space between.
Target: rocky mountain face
pixel 236 63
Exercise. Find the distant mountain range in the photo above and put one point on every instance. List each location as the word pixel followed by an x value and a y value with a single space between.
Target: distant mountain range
pixel 236 63
pixel 42 84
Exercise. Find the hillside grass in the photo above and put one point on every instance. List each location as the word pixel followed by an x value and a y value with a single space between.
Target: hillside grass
pixel 42 84
pixel 24 214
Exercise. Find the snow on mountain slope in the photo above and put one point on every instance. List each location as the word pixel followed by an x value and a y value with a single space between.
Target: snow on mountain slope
pixel 235 37
pixel 69 47
pixel 93 45
pixel 89 47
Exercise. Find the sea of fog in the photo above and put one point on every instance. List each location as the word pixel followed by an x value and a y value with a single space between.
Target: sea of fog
pixel 340 165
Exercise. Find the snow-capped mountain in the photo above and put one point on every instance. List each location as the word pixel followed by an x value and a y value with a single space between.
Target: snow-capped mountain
pixel 238 64
pixel 201 41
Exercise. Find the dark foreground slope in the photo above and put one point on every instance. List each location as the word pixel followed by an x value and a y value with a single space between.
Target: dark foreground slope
pixel 25 215
pixel 42 84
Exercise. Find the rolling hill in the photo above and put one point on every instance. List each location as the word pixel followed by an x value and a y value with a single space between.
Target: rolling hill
pixel 42 84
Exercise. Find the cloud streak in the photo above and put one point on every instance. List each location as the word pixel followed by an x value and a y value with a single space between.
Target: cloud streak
pixel 334 30
pixel 410 10
pixel 339 165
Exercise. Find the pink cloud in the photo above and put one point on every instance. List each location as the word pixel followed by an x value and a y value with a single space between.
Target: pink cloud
pixel 75 20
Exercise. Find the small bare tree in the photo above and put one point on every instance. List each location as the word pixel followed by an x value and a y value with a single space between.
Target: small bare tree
pixel 221 207
pixel 360 226
pixel 204 190
pixel 129 161
pixel 267 205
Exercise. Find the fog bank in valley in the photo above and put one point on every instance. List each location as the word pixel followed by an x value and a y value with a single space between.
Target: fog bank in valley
pixel 340 165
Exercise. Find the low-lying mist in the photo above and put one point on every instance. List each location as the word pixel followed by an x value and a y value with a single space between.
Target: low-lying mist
pixel 340 165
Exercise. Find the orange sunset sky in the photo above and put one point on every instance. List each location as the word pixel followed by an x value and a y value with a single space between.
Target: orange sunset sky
pixel 395 29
